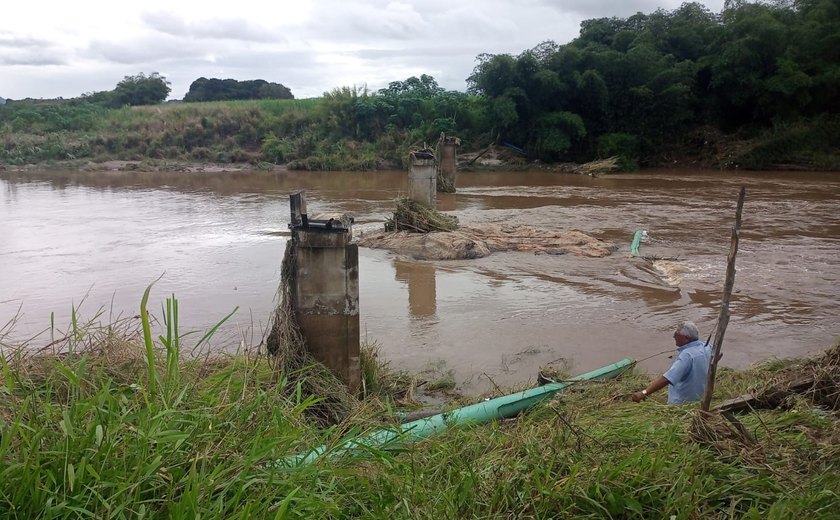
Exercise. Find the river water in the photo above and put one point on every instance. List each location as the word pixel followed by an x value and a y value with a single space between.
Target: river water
pixel 96 240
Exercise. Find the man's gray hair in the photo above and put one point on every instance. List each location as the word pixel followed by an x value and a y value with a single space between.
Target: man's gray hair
pixel 689 330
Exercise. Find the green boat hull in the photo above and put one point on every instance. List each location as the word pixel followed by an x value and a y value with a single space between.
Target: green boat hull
pixel 479 413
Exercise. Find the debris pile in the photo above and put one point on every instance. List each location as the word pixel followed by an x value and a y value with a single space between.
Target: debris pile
pixel 444 185
pixel 817 380
pixel 610 164
pixel 478 241
pixel 414 217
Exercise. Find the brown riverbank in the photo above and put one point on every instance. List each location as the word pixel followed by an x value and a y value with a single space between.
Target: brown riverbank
pixel 146 165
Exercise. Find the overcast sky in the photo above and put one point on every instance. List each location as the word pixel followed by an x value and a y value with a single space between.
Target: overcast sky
pixel 51 48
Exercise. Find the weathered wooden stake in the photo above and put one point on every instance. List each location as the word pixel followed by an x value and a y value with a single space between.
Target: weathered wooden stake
pixel 723 318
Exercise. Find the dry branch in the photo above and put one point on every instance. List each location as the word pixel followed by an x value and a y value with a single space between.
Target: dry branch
pixel 723 319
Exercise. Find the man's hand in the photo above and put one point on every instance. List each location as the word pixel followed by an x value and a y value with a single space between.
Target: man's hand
pixel 657 384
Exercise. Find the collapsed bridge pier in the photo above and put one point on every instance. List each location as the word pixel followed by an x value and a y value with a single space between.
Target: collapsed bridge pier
pixel 325 296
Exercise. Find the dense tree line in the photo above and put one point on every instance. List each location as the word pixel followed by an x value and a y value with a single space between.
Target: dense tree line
pixel 362 128
pixel 630 85
pixel 213 89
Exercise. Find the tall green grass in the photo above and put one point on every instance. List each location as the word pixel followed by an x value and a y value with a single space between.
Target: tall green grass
pixel 124 427
pixel 160 437
pixel 307 134
pixel 225 132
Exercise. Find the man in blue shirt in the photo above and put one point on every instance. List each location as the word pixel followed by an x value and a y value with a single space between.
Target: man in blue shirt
pixel 686 379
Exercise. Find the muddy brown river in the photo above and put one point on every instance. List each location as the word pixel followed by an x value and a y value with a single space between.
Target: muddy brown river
pixel 96 240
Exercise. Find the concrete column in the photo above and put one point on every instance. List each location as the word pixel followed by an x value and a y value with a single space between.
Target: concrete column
pixel 449 161
pixel 327 294
pixel 422 178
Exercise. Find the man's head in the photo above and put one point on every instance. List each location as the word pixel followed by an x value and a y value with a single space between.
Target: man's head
pixel 686 332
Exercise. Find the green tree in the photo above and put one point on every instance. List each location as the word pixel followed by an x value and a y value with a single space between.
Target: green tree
pixel 754 37
pixel 141 90
pixel 213 89
pixel 494 75
pixel 592 99
pixel 274 91
pixel 424 86
pixel 556 132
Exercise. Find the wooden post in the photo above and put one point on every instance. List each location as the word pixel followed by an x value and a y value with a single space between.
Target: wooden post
pixel 723 318
pixel 297 205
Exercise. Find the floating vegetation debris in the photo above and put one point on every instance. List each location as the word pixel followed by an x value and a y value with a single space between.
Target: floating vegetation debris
pixel 610 164
pixel 410 215
pixel 444 185
pixel 285 342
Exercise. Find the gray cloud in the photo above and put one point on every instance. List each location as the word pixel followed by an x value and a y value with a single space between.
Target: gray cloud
pixel 24 50
pixel 401 24
pixel 143 50
pixel 221 29
pixel 32 60
pixel 415 52
pixel 439 21
pixel 604 8
pixel 281 60
pixel 22 42
pixel 72 81
pixel 365 22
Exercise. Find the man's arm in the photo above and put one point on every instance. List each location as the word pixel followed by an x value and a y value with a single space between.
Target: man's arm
pixel 657 384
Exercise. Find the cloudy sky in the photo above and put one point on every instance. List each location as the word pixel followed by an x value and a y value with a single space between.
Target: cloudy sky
pixel 51 48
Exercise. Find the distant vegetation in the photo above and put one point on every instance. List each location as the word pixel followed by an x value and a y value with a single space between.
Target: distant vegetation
pixel 133 91
pixel 755 86
pixel 635 86
pixel 141 90
pixel 204 89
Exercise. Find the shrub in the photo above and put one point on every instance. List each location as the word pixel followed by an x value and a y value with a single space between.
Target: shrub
pixel 276 150
pixel 621 145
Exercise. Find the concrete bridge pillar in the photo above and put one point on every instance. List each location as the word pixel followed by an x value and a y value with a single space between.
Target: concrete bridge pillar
pixel 326 293
pixel 422 178
pixel 448 162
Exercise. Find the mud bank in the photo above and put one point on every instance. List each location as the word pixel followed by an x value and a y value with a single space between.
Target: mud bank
pixel 145 165
pixel 480 240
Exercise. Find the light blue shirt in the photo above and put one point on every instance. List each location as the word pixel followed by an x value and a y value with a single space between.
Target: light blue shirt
pixel 688 373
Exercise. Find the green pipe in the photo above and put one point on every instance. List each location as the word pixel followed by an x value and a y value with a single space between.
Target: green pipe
pixel 483 412
pixel 637 239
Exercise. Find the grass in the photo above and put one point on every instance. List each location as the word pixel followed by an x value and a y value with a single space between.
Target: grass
pixel 99 428
pixel 381 381
pixel 222 132
pixel 300 134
